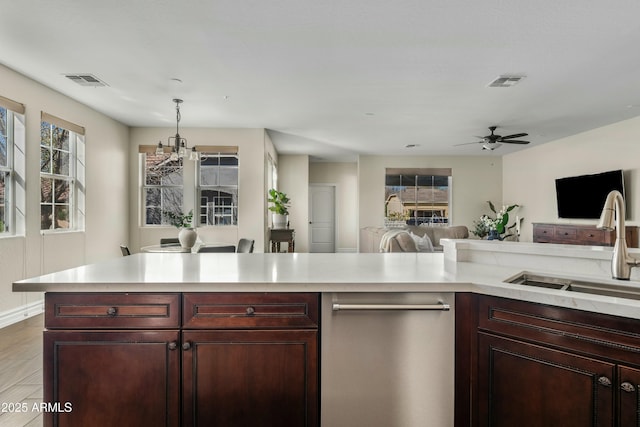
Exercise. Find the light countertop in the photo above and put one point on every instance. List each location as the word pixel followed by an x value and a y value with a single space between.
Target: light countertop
pixel 303 272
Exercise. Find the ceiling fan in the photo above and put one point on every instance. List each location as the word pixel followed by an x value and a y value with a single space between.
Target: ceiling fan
pixel 493 141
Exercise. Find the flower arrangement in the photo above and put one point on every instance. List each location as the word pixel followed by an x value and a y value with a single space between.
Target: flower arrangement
pixel 495 227
pixel 178 219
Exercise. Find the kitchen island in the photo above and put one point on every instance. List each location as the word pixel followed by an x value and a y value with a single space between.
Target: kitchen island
pixel 366 367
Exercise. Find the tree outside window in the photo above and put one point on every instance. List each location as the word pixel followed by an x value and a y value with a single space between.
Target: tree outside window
pixel 163 187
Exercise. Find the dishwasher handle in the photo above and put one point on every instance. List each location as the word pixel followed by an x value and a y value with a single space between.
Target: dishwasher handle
pixel 440 306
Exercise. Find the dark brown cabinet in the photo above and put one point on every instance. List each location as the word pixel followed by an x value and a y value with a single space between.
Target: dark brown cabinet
pixel 197 359
pixel 581 234
pixel 528 364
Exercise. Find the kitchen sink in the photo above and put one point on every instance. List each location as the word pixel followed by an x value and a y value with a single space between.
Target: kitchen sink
pixel 563 284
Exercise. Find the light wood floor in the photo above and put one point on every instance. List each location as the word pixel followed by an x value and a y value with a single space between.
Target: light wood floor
pixel 21 371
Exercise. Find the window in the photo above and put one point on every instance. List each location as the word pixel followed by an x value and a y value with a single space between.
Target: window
pixel 218 187
pixel 6 166
pixel 61 174
pixel 422 196
pixel 163 185
pixel 12 140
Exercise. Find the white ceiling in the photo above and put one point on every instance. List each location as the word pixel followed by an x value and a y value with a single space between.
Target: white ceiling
pixel 336 78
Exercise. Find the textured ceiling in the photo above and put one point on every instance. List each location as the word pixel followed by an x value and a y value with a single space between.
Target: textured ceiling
pixel 334 79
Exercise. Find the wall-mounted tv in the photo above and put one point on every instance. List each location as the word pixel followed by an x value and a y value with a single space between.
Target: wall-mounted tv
pixel 584 196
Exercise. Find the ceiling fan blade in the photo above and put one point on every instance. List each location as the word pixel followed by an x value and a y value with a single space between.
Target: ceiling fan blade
pixel 468 143
pixel 515 141
pixel 515 135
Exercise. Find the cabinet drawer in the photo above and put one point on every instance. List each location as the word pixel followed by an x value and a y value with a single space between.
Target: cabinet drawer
pixel 593 236
pixel 565 233
pixel 250 310
pixel 543 233
pixel 589 333
pixel 112 311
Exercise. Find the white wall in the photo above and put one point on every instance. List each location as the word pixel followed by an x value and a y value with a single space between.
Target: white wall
pixel 251 145
pixel 345 178
pixel 106 224
pixel 475 179
pixel 529 175
pixel 293 179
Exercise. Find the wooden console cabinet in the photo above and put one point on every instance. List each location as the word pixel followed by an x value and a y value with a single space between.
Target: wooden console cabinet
pixel 526 364
pixel 574 234
pixel 173 359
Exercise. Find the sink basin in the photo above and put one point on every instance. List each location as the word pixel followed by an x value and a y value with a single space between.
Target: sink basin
pixel 563 284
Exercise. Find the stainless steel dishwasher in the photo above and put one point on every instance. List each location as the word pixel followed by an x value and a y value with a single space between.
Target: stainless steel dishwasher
pixel 387 359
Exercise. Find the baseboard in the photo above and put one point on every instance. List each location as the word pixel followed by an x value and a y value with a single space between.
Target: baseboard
pixel 345 250
pixel 21 313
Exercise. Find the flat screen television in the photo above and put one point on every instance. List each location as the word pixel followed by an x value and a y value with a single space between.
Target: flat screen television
pixel 584 196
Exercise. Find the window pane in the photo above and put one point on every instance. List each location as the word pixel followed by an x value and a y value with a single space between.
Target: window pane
pixel 160 170
pixel 60 138
pixel 61 162
pixel 62 216
pixel 61 191
pixel 159 200
pixel 3 137
pixel 45 160
pixel 209 176
pixel 46 190
pixel 45 134
pixel 228 176
pixel 219 207
pixel 46 217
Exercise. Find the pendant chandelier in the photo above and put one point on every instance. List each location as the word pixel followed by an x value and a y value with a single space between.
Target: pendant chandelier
pixel 179 144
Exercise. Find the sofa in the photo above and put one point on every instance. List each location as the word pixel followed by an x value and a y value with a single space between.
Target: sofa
pixel 371 237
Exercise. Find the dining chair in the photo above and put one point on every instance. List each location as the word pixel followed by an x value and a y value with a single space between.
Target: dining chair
pixel 125 250
pixel 245 245
pixel 228 248
pixel 169 241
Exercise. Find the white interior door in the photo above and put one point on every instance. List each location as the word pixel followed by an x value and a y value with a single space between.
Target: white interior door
pixel 322 218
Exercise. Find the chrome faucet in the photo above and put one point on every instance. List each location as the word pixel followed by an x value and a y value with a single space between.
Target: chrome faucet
pixel 621 262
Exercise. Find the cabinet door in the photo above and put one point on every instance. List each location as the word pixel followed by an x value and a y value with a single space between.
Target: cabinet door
pixel 112 378
pixel 250 377
pixel 526 385
pixel 629 400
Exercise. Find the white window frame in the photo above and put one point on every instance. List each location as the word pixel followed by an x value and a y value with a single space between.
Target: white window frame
pixel 227 215
pixel 7 221
pixel 75 178
pixel 144 187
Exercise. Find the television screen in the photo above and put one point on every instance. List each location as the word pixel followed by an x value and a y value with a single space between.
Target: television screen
pixel 584 196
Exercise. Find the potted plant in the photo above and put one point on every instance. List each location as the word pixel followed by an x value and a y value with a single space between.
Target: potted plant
pixel 279 207
pixel 183 222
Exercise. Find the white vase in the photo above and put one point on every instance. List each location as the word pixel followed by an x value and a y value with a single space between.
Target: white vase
pixel 187 237
pixel 280 221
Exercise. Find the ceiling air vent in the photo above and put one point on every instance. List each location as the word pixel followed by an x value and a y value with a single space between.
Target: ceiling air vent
pixel 86 80
pixel 506 81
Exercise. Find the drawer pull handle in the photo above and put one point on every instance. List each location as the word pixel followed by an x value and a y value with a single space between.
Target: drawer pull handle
pixel 112 311
pixel 186 346
pixel 250 311
pixel 173 345
pixel 604 381
pixel 628 387
pixel 440 306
